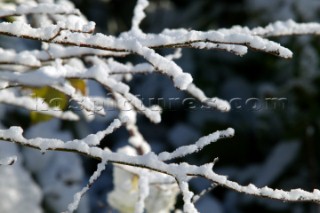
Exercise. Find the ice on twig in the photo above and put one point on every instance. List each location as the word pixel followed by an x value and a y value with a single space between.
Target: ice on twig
pixel 217 103
pixel 95 139
pixel 197 146
pixel 77 197
pixel 139 14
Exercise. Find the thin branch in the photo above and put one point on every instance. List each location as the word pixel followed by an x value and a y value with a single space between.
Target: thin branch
pixel 197 146
pixel 77 197
pixel 34 59
pixel 84 102
pixel 95 139
pixel 136 139
pixel 278 28
pixel 197 197
pixel 239 50
pixel 215 102
pixel 138 14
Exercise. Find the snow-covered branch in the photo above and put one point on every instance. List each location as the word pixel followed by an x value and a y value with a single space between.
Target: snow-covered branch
pixel 35 104
pixel 144 45
pixel 180 172
pixel 197 146
pixel 36 58
pixel 278 28
pixel 71 51
pixel 44 8
pixel 139 14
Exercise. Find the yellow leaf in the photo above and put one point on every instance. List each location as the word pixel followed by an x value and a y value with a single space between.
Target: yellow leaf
pixel 79 84
pixel 52 97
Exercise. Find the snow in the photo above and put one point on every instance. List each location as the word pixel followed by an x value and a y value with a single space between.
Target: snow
pixel 95 139
pixel 152 114
pixel 10 56
pixel 129 117
pixel 197 146
pixel 135 183
pixel 171 37
pixel 176 55
pixel 148 160
pixel 236 49
pixel 38 105
pixel 142 46
pixel 60 174
pixel 181 80
pixel 21 29
pixel 84 102
pixel 118 68
pixel 146 180
pixel 187 195
pixel 53 51
pixel 59 51
pixel 151 160
pixel 139 14
pixel 215 102
pixel 167 38
pixel 122 181
pixel 278 28
pixel 47 74
pixel 44 8
pixel 76 24
pixel 74 205
pixel 8 161
pixel 144 192
pixel 18 192
pixel 14 133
